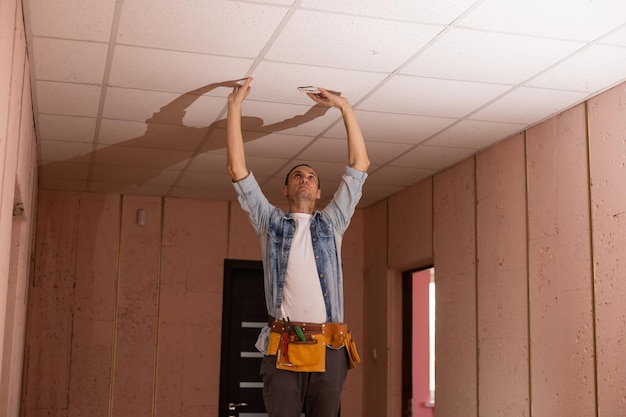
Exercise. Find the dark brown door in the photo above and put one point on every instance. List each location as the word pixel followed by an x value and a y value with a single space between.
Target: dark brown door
pixel 243 316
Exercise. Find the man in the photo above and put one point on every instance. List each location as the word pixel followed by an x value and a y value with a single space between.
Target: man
pixel 306 360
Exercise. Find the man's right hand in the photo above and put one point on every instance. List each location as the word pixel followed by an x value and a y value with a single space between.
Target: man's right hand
pixel 240 92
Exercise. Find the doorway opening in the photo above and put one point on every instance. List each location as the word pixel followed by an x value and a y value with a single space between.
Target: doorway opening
pixel 418 342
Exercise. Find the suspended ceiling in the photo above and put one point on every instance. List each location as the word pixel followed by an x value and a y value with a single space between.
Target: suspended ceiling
pixel 129 95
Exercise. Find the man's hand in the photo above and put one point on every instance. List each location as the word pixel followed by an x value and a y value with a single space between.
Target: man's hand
pixel 327 98
pixel 357 153
pixel 240 92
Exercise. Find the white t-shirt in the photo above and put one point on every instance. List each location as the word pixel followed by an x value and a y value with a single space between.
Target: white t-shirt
pixel 303 299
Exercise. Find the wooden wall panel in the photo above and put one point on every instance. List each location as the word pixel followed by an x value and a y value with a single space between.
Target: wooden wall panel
pixel 194 248
pixel 352 257
pixel 560 290
pixel 137 303
pixel 51 302
pixel 94 307
pixel 455 277
pixel 607 149
pixel 411 227
pixel 243 243
pixel 502 280
pixel 374 351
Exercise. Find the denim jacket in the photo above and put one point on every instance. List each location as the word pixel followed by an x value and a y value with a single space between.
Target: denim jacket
pixel 276 229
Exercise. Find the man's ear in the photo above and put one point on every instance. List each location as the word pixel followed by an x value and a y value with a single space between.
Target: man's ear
pixel 319 194
pixel 285 190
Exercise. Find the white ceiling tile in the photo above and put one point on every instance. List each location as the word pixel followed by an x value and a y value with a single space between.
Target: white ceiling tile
pixel 432 157
pixel 181 72
pixel 431 97
pixel 287 118
pixel 152 135
pixel 326 150
pixel 617 37
pixel 64 170
pixel 382 152
pixel 140 105
pixel 529 105
pixel 581 72
pixel 57 151
pixel 336 150
pixel 428 11
pixel 472 55
pixel 72 19
pixel 161 107
pixel 266 167
pixel 134 175
pixel 128 156
pixel 275 145
pixel 277 81
pixel 407 128
pixel 399 175
pixel 365 43
pixel 220 27
pixel 209 162
pixel 563 19
pixel 119 131
pixel 474 134
pixel 66 128
pixel 216 142
pixel 197 179
pixel 277 2
pixel 69 61
pixel 68 99
pixel 203 111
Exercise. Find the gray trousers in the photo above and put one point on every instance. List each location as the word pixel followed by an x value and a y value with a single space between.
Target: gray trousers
pixel 317 394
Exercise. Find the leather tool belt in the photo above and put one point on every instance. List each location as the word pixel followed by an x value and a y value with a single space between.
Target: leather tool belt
pixel 301 347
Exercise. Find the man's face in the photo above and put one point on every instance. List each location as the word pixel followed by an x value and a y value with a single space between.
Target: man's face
pixel 302 183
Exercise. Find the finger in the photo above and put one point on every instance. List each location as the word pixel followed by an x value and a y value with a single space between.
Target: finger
pixel 247 81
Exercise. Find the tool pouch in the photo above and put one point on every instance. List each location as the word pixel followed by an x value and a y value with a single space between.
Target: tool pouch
pixel 299 355
pixel 353 355
pixel 293 354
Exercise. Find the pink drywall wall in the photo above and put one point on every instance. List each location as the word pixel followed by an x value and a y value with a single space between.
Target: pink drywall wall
pixel 501 280
pixel 412 210
pixel 126 319
pixel 18 172
pixel 607 156
pixel 455 276
pixel 528 238
pixel 560 280
pixel 375 352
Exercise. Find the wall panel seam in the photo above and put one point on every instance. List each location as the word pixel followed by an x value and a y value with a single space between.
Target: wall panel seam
pixel 591 257
pixel 115 304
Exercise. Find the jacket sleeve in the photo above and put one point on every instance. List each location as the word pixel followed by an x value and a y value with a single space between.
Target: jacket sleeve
pixel 344 202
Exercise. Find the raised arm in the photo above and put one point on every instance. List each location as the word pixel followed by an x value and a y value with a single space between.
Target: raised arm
pixel 357 152
pixel 235 155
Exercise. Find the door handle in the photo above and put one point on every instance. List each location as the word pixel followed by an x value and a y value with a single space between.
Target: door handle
pixel 232 408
